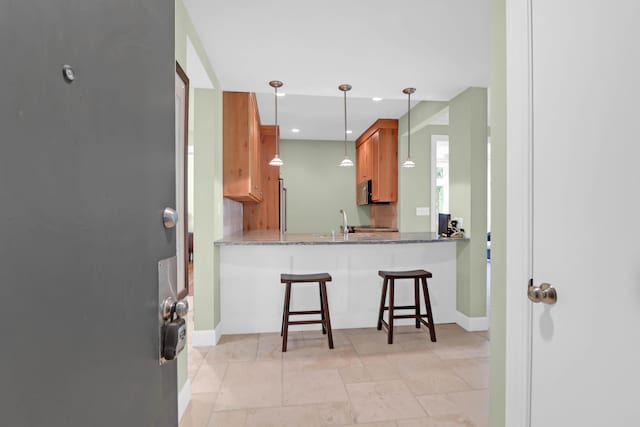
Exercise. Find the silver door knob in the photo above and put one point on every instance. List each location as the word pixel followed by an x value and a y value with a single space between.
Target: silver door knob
pixel 544 293
pixel 169 306
pixel 169 217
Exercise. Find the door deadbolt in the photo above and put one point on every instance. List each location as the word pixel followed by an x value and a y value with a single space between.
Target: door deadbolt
pixel 544 293
pixel 169 217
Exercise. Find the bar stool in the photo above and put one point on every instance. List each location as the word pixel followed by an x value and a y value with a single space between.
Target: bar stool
pixel 325 320
pixel 389 280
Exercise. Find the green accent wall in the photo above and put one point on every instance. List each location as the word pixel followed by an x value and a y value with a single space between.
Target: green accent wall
pixel 498 212
pixel 468 195
pixel 317 188
pixel 206 135
pixel 414 184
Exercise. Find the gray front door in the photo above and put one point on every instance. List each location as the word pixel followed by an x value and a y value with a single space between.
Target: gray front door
pixel 86 167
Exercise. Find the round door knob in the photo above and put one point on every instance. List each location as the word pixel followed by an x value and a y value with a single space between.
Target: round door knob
pixel 169 217
pixel 182 308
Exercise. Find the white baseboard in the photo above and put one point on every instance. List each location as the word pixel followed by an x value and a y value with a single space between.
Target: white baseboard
pixel 206 337
pixel 472 324
pixel 184 397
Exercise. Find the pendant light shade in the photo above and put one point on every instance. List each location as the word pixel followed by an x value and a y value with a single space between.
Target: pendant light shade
pixel 346 162
pixel 276 161
pixel 409 163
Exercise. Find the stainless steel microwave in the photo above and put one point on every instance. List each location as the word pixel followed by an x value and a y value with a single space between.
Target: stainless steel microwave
pixel 363 193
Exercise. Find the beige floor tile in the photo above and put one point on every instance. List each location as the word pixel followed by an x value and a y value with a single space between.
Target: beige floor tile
pixel 284 416
pixel 251 385
pixel 382 424
pixel 228 419
pixel 474 372
pixel 383 401
pixel 270 347
pixel 196 359
pixel 199 410
pixel 446 421
pixel 373 344
pixel 471 405
pixel 410 362
pixel 321 359
pixel 312 386
pixel 435 381
pixel 465 347
pixel 335 413
pixel 209 377
pixel 234 348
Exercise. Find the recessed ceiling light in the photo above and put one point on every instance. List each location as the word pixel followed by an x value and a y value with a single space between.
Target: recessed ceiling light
pixel 349 132
pixel 295 130
pixel 376 98
pixel 282 94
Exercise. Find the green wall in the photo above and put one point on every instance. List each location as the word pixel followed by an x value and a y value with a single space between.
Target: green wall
pixel 468 195
pixel 206 113
pixel 414 184
pixel 498 212
pixel 317 188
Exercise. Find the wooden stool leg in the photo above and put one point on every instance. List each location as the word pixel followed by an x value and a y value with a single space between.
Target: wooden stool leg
pixel 416 294
pixel 325 308
pixel 391 306
pixel 285 322
pixel 427 303
pixel 324 330
pixel 382 301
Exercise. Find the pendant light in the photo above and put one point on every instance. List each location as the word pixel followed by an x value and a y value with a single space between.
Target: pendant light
pixel 346 162
pixel 409 163
pixel 276 161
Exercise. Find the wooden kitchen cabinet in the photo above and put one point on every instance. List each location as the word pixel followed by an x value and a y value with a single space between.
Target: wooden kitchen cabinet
pixel 266 214
pixel 241 147
pixel 377 160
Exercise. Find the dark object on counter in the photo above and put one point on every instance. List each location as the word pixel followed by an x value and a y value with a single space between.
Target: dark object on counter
pixel 443 224
pixel 370 229
pixel 389 280
pixel 325 320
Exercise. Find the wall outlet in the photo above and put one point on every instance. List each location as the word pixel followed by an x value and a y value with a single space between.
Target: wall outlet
pixel 422 211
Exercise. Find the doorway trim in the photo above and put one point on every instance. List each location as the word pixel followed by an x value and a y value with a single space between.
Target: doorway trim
pixel 519 140
pixel 185 191
pixel 435 138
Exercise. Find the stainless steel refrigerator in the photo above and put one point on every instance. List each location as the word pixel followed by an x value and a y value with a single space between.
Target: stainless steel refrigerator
pixel 283 205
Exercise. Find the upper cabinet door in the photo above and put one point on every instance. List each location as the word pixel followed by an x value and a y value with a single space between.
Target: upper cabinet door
pixel 241 133
pixel 377 160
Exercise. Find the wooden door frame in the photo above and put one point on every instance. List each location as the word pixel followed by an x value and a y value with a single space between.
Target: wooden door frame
pixel 187 288
pixel 519 123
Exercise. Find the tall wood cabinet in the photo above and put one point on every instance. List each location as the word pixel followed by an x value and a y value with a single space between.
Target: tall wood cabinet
pixel 266 214
pixel 241 147
pixel 377 160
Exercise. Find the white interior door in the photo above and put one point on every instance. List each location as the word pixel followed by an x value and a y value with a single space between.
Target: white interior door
pixel 586 155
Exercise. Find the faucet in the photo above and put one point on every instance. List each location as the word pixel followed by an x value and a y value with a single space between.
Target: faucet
pixel 345 227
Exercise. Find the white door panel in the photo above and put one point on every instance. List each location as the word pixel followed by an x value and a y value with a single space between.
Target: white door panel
pixel 586 202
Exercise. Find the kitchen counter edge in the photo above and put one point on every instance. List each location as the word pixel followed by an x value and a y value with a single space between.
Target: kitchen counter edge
pixel 274 238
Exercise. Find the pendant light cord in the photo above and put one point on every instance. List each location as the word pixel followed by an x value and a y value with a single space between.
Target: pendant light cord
pixel 409 126
pixel 345 124
pixel 277 128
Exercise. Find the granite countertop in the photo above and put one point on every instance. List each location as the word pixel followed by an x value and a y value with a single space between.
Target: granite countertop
pixel 272 237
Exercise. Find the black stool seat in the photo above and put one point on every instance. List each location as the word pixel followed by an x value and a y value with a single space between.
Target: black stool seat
pixel 389 282
pixel 325 320
pixel 305 278
pixel 405 274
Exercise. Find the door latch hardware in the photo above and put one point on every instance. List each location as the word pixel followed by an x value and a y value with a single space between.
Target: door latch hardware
pixel 544 293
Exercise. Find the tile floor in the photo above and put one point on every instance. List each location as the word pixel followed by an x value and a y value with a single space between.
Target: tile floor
pixel 246 381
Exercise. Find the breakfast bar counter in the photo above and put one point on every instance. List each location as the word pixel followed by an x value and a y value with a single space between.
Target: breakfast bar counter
pixel 251 294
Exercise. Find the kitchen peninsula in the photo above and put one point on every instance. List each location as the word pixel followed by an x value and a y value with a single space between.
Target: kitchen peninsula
pixel 251 263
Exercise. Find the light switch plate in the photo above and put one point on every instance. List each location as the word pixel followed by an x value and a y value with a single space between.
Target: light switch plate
pixel 422 211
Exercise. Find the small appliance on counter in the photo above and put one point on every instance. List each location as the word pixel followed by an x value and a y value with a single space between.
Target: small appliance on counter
pixel 448 227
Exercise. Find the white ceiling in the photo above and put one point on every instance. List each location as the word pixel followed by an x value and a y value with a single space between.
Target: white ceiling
pixel 440 47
